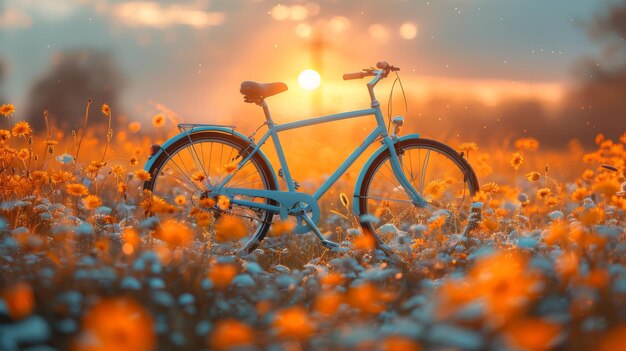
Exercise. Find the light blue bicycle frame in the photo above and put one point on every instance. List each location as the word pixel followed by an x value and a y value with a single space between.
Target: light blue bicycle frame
pixel 291 197
pixel 291 202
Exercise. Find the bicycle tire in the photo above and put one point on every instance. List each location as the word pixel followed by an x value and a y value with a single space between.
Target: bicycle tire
pixel 365 192
pixel 243 147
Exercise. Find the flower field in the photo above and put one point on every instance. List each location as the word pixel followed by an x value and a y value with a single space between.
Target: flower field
pixel 87 265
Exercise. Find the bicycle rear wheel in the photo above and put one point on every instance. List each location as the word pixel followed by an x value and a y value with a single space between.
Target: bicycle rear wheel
pixel 445 180
pixel 183 174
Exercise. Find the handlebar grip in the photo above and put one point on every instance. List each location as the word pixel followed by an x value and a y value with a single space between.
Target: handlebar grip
pixel 357 75
pixel 382 65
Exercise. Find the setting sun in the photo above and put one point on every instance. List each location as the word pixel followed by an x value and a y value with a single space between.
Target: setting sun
pixel 309 79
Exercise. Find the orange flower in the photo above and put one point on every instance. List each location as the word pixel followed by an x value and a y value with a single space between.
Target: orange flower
pixel 131 236
pixel 399 343
pixel 230 167
pixel 175 234
pixel 468 146
pixel 533 176
pixel 364 242
pixel 22 129
pixel 327 302
pixel 7 110
pixel 40 177
pixel 294 322
pixel 76 189
pixel 530 144
pixel 19 299
pixel 221 274
pixel 180 200
pixel 158 120
pixel 121 188
pixel 368 298
pixel 230 333
pixel 62 176
pixel 116 324
pixel 92 201
pixel 282 227
pixel 94 166
pixel 134 161
pixel 532 334
pixel 198 176
pixel 517 160
pixel 436 188
pixel 102 245
pixel 118 170
pixel 23 154
pixel 543 193
pixel 203 219
pixel 106 110
pixel 134 127
pixel 332 279
pixel 505 283
pixel 223 202
pixel 230 228
pixel 142 175
pixel 5 135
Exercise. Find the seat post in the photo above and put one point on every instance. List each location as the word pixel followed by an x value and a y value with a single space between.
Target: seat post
pixel 266 111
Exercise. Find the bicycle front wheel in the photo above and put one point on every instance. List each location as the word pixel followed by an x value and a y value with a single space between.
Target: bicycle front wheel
pixel 441 176
pixel 185 173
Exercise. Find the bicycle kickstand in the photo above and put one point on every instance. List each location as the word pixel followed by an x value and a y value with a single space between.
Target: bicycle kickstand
pixel 325 242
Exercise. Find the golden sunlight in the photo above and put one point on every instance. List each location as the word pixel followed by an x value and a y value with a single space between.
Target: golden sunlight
pixel 309 79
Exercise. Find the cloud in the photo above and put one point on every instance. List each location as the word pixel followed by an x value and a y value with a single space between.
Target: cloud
pixel 15 18
pixel 155 15
pixel 22 13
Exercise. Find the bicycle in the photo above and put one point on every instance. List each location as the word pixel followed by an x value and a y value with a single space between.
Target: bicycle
pixel 408 182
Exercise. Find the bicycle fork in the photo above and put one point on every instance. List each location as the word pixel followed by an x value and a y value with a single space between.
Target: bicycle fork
pixel 398 171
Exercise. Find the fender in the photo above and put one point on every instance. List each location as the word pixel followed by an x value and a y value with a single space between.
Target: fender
pixel 357 186
pixel 204 128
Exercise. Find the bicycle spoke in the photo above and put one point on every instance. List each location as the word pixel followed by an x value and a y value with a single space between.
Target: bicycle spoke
pixel 440 178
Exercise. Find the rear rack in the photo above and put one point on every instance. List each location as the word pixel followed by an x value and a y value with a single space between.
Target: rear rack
pixel 188 127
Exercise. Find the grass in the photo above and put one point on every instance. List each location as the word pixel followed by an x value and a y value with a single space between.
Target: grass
pixel 84 268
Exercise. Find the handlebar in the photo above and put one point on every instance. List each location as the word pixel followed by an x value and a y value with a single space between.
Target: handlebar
pixel 383 70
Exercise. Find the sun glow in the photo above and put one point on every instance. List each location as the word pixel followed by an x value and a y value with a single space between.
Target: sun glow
pixel 309 79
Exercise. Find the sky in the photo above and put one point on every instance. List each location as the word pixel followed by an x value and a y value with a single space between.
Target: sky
pixel 192 55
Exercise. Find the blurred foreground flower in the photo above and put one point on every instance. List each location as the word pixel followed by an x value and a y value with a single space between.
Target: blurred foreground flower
pixel 532 334
pixel 175 234
pixel 230 333
pixel 19 300
pixel 221 274
pixel 116 324
pixel 294 322
pixel 229 228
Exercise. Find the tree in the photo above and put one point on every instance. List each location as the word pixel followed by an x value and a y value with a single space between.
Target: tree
pixel 74 77
pixel 597 105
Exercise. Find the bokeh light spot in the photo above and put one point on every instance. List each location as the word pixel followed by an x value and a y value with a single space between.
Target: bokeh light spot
pixel 379 32
pixel 304 30
pixel 280 12
pixel 309 79
pixel 408 30
pixel 339 24
pixel 298 12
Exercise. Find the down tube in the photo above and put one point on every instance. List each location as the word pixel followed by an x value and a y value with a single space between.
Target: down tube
pixel 348 162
